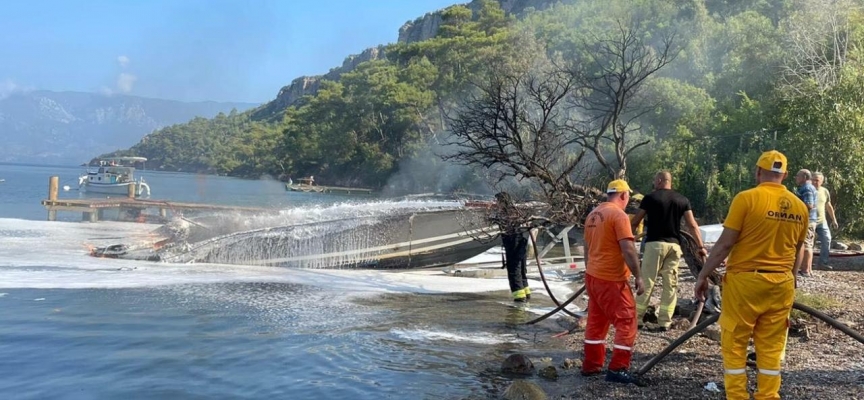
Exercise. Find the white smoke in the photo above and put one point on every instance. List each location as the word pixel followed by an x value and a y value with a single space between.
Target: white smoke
pixel 125 82
pixel 7 87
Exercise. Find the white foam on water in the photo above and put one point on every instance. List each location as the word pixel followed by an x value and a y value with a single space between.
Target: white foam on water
pixel 48 255
pixel 318 213
pixel 485 338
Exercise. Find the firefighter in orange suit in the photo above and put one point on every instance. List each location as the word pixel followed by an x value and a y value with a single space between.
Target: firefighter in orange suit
pixel 762 235
pixel 610 261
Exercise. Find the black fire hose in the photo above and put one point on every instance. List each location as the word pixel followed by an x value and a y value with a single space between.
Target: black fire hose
pixel 686 336
pixel 559 308
pixel 712 319
pixel 543 278
pixel 830 321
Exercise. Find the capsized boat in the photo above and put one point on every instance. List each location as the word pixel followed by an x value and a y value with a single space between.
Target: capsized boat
pixel 112 177
pixel 403 239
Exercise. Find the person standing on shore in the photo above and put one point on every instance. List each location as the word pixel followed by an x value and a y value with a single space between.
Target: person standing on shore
pixel 823 209
pixel 665 209
pixel 807 193
pixel 610 260
pixel 509 219
pixel 763 236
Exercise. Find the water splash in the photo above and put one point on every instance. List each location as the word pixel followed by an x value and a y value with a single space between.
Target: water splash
pixel 383 234
pixel 223 223
pixel 486 338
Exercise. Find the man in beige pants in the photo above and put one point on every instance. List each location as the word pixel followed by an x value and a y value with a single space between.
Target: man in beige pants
pixel 665 209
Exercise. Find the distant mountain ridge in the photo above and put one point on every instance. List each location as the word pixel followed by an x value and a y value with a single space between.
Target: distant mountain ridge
pixel 72 127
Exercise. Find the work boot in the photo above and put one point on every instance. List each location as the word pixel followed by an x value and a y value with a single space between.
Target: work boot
pixel 520 300
pixel 624 376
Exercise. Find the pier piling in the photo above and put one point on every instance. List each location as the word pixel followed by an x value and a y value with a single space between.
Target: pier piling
pixel 53 189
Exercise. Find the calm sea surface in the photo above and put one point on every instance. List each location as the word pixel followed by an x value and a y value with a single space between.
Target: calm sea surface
pixel 75 327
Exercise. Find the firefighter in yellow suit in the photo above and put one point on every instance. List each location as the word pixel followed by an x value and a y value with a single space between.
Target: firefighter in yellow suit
pixel 762 235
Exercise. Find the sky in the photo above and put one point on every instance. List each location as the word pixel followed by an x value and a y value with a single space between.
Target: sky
pixel 189 50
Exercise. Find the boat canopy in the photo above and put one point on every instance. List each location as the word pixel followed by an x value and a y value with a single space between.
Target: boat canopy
pixel 132 159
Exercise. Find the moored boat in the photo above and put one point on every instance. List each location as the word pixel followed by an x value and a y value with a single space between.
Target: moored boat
pixel 111 177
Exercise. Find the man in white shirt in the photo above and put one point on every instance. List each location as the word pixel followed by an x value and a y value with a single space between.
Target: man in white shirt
pixel 823 209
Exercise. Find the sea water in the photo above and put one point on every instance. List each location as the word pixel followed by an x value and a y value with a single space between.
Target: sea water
pixel 77 327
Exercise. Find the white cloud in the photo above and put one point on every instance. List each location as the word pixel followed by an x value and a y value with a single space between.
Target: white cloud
pixel 125 82
pixel 123 61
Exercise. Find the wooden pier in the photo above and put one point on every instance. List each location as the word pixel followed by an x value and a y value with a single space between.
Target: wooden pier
pixel 93 210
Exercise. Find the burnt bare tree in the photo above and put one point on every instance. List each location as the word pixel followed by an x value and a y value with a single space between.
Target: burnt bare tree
pixel 608 80
pixel 514 126
pixel 552 125
pixel 817 44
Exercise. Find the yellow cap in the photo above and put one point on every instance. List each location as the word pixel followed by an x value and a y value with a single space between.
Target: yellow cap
pixel 773 161
pixel 618 186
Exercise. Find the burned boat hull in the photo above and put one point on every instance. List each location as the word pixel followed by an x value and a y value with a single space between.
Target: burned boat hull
pixel 409 240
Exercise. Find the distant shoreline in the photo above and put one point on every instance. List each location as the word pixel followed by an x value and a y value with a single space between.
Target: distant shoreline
pixel 25 164
pixel 148 170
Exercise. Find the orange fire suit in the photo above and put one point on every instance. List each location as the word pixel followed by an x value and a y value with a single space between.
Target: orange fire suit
pixel 759 288
pixel 610 301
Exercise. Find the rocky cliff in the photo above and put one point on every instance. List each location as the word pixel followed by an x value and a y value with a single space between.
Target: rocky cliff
pixel 426 26
pixel 420 29
pixel 306 85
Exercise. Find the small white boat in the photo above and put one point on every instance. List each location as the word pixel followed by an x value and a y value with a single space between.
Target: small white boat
pixel 114 178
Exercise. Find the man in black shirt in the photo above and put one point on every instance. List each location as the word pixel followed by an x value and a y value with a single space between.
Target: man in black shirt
pixel 665 209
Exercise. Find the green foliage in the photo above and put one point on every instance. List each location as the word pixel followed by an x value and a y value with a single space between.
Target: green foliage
pixel 826 133
pixel 677 105
pixel 354 130
pixel 748 49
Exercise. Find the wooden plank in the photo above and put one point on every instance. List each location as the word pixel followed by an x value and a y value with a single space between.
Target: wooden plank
pixel 89 204
pixel 66 208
